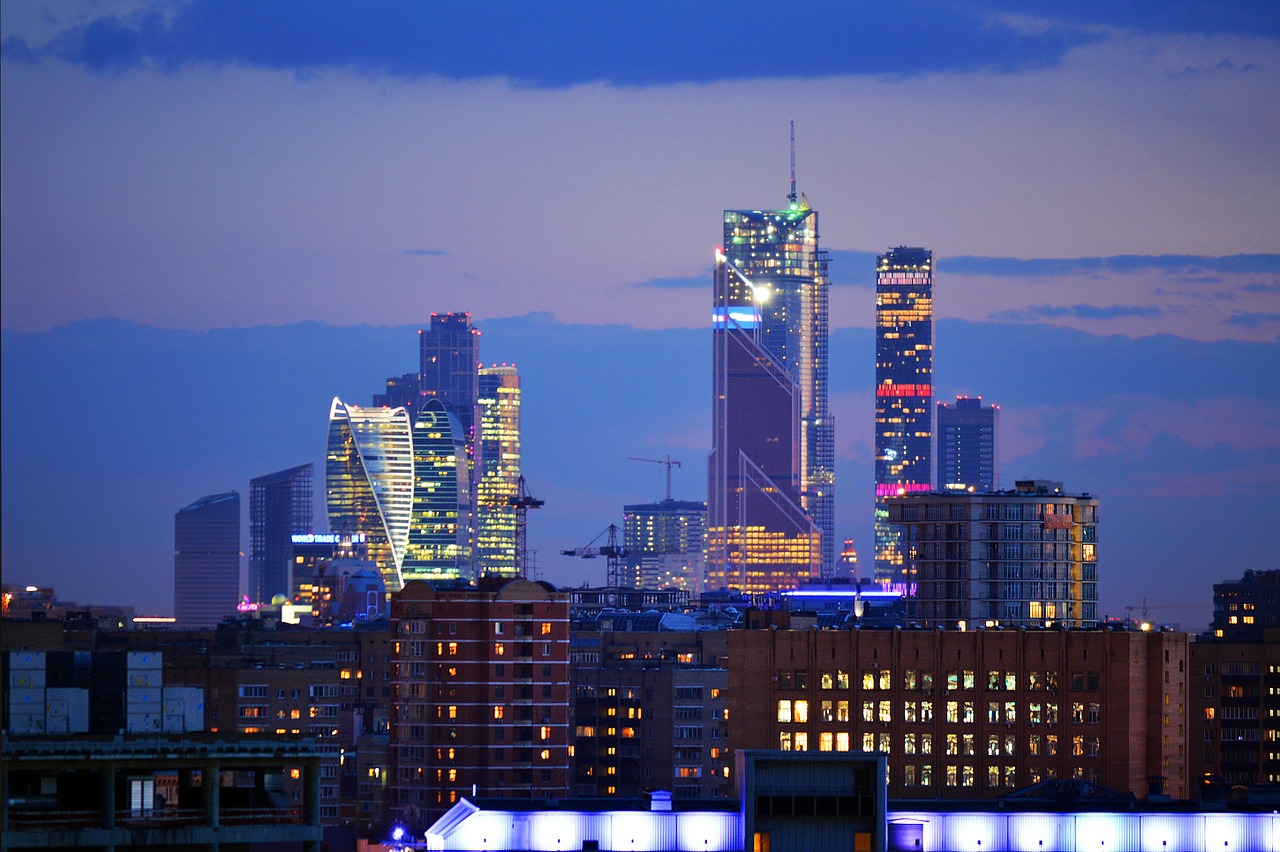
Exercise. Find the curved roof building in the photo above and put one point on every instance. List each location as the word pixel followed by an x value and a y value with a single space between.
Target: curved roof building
pixel 369 481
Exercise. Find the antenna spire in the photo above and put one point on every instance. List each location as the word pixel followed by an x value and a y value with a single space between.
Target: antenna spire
pixel 792 196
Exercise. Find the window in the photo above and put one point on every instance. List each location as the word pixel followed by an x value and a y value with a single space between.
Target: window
pixel 784 710
pixel 953 711
pixel 801 741
pixel 826 741
pixel 886 712
pixel 908 743
pixel 842 741
pixel 802 711
pixel 842 711
pixel 842 680
pixel 826 681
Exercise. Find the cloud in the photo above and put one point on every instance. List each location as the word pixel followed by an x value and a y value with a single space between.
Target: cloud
pixel 1263 287
pixel 700 282
pixel 558 44
pixel 1253 320
pixel 425 252
pixel 1226 66
pixel 1124 263
pixel 1090 312
pixel 1238 17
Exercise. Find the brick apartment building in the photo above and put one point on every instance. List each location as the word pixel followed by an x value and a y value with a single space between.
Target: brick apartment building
pixel 966 715
pixel 480 695
pixel 1234 710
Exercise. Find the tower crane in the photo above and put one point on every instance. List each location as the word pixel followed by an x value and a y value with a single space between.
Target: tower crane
pixel 1147 607
pixel 668 461
pixel 611 550
pixel 522 503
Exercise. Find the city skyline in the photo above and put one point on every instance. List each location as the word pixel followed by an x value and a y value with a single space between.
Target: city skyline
pixel 1102 185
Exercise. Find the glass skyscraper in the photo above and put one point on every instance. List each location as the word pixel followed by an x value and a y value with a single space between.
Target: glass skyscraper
pixel 279 507
pixel 438 547
pixel 206 560
pixel 968 452
pixel 499 470
pixel 777 252
pixel 759 536
pixel 665 544
pixel 449 370
pixel 904 393
pixel 369 482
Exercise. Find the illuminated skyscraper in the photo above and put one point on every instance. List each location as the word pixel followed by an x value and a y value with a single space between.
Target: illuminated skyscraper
pixel 369 481
pixel 449 370
pixel 777 252
pixel 968 436
pixel 665 543
pixel 438 547
pixel 904 392
pixel 279 508
pixel 759 537
pixel 499 470
pixel 206 560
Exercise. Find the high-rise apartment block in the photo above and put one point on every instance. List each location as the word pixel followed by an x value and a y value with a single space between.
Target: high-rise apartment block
pixel 1244 608
pixel 480 695
pixel 499 471
pixel 970 714
pixel 904 392
pixel 759 536
pixel 279 508
pixel 206 560
pixel 665 543
pixel 1026 557
pixel 369 482
pixel 968 445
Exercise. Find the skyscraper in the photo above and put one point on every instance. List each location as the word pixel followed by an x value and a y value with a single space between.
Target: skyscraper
pixel 499 470
pixel 665 544
pixel 279 507
pixel 206 560
pixel 904 391
pixel 968 448
pixel 401 392
pixel 759 536
pixel 369 481
pixel 438 547
pixel 777 252
pixel 449 370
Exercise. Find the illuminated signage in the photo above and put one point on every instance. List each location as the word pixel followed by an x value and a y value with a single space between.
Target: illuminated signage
pixel 741 316
pixel 1057 522
pixel 325 538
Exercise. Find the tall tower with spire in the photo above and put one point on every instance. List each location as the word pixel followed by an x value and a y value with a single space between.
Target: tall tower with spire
pixel 770 345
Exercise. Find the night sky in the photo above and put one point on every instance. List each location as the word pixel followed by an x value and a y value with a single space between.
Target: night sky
pixel 217 215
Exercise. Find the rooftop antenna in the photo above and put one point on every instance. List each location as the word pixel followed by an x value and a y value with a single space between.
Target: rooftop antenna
pixel 792 196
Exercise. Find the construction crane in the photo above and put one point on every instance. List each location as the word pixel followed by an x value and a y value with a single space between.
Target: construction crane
pixel 522 503
pixel 1147 607
pixel 611 551
pixel 668 462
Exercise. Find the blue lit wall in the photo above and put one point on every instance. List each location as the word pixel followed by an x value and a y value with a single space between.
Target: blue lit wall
pixel 466 828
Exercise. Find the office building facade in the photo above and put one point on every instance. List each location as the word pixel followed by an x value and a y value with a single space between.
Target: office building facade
pixel 401 392
pixel 665 543
pixel 904 392
pixel 279 508
pixel 438 545
pixel 759 536
pixel 369 482
pixel 206 560
pixel 777 252
pixel 1026 557
pixel 499 471
pixel 449 370
pixel 968 445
